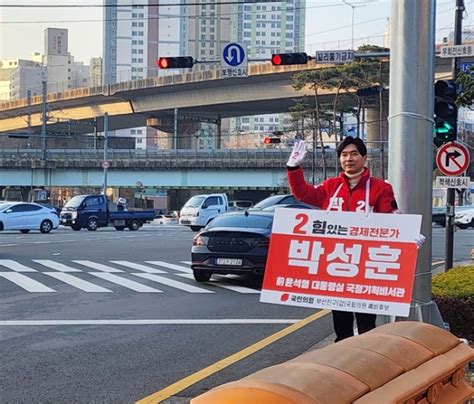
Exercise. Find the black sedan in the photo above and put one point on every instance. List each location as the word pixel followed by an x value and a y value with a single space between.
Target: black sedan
pixel 233 243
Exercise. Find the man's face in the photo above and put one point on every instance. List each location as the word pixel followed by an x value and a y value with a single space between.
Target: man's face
pixel 351 160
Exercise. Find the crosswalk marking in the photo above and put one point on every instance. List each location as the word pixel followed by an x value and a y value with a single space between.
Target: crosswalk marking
pixel 186 262
pixel 173 283
pixel 235 288
pixel 56 265
pixel 77 282
pixel 23 281
pixel 15 266
pixel 139 267
pixel 97 266
pixel 126 283
pixel 179 268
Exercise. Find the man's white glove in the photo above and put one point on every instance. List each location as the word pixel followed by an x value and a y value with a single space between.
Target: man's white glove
pixel 420 240
pixel 297 154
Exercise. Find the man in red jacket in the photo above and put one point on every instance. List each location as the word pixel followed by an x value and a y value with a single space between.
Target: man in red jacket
pixel 353 190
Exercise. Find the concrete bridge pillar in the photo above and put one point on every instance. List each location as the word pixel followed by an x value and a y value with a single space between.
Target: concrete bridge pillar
pixel 377 129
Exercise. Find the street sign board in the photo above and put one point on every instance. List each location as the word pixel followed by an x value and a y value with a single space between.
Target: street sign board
pixel 234 60
pixel 465 67
pixel 456 51
pixel 105 164
pixel 334 56
pixel 452 182
pixel 452 158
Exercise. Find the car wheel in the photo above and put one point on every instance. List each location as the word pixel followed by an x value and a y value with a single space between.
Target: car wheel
pixel 463 226
pixel 195 228
pixel 134 225
pixel 24 231
pixel 76 227
pixel 92 224
pixel 119 228
pixel 202 276
pixel 46 226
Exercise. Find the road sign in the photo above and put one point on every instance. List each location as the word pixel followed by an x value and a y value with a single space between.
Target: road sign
pixel 105 164
pixel 234 60
pixel 456 51
pixel 334 56
pixel 465 67
pixel 452 182
pixel 452 158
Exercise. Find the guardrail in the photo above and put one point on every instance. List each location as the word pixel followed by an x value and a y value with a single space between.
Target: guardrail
pixel 405 362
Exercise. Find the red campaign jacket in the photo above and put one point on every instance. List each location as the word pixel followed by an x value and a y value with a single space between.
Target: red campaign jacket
pixel 381 198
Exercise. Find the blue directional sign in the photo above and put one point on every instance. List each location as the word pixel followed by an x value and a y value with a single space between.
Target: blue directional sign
pixel 465 67
pixel 234 60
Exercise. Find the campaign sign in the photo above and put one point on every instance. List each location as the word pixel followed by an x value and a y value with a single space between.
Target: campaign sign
pixel 348 261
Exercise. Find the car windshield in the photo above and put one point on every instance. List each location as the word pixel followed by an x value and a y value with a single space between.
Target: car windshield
pixel 243 221
pixel 75 202
pixel 194 202
pixel 271 200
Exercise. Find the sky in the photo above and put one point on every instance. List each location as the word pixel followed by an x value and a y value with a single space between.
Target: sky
pixel 328 25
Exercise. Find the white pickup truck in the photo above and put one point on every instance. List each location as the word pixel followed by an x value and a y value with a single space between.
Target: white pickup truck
pixel 198 211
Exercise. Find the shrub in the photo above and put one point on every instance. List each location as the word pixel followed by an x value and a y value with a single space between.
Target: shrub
pixel 453 292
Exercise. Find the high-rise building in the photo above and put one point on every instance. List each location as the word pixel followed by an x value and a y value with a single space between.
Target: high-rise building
pixel 266 28
pixel 136 33
pixel 17 76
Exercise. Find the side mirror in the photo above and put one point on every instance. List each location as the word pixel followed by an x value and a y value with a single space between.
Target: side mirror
pixel 204 206
pixel 9 211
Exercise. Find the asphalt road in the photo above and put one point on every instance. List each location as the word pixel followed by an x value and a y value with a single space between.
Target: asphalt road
pixel 112 317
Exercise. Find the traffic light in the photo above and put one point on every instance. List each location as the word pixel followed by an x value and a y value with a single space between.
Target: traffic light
pixel 178 62
pixel 270 139
pixel 280 59
pixel 446 112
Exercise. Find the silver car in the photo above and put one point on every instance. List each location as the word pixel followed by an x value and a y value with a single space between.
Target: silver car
pixel 24 216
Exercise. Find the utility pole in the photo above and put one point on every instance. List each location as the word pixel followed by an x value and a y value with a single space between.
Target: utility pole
pixel 175 130
pixel 411 132
pixel 106 150
pixel 450 197
pixel 44 119
pixel 28 100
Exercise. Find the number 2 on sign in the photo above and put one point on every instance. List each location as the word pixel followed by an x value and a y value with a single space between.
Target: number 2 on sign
pixel 303 219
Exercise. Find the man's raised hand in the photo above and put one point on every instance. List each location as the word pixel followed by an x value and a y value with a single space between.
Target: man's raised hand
pixel 297 154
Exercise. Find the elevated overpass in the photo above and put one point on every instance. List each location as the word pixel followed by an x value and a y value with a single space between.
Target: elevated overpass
pixel 167 169
pixel 201 94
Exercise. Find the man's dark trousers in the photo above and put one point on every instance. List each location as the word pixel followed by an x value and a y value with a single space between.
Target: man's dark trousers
pixel 344 323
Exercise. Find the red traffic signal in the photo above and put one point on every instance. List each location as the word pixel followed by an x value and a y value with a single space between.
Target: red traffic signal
pixel 268 140
pixel 280 59
pixel 178 62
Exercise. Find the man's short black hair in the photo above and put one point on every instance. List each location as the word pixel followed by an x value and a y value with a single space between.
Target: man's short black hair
pixel 357 142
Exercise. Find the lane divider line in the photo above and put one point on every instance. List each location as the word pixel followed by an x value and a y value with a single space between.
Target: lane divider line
pixel 182 384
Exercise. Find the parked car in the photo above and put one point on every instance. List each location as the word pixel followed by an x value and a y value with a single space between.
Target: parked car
pixel 439 215
pixel 24 216
pixel 275 200
pixel 299 205
pixel 232 243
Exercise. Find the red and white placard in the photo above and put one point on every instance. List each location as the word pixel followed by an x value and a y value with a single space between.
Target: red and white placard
pixel 344 261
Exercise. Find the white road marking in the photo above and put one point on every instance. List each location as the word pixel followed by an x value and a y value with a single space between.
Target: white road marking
pixel 235 288
pixel 8 245
pixel 25 282
pixel 139 267
pixel 15 266
pixel 99 267
pixel 77 282
pixel 126 283
pixel 186 262
pixel 173 283
pixel 57 266
pixel 164 264
pixel 148 322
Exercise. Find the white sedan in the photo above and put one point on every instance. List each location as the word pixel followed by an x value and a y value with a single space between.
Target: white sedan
pixel 25 216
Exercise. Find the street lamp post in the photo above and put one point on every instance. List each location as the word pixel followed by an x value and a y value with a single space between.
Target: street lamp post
pixel 353 6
